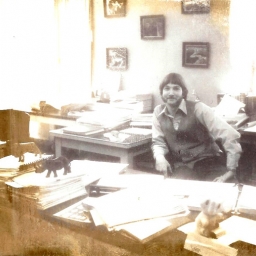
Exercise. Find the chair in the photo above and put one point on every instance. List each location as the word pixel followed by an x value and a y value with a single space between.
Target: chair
pixel 14 128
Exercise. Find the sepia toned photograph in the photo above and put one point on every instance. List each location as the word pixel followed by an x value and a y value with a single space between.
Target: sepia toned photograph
pixel 116 58
pixel 152 27
pixel 128 128
pixel 114 8
pixel 195 55
pixel 195 6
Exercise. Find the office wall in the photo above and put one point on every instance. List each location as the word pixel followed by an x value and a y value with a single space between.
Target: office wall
pixel 150 60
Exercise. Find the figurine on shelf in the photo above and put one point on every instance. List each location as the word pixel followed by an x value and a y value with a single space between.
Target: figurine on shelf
pixel 209 218
pixel 52 165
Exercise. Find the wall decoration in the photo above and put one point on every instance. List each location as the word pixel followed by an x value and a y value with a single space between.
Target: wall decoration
pixel 152 27
pixel 195 6
pixel 117 58
pixel 114 8
pixel 195 54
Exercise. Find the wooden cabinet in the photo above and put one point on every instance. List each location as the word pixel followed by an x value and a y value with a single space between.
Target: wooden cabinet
pixel 14 128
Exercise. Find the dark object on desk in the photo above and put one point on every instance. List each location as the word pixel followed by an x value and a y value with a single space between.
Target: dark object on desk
pixel 98 190
pixel 36 165
pixel 52 165
pixel 250 107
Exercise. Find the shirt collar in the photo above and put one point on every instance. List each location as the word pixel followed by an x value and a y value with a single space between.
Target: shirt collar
pixel 181 107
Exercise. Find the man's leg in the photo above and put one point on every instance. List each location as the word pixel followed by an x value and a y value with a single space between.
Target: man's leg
pixel 210 168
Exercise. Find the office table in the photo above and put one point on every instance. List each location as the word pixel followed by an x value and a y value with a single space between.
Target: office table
pixel 28 231
pixel 101 145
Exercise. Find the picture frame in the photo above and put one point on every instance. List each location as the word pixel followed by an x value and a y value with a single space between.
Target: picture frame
pixel 152 27
pixel 117 59
pixel 114 8
pixel 195 6
pixel 195 54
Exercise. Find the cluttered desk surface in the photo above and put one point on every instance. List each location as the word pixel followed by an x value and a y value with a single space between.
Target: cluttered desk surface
pixel 139 217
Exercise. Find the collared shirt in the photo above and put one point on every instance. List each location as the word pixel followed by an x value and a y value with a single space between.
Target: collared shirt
pixel 218 128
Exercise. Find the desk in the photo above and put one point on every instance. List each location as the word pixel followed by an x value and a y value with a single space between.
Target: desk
pixel 100 145
pixel 28 231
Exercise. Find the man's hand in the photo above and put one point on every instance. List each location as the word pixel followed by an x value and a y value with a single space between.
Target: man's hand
pixel 162 165
pixel 224 177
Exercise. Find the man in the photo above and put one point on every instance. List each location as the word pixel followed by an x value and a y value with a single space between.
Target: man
pixel 184 135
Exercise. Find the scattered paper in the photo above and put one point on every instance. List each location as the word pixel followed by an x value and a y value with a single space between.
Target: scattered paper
pixel 228 106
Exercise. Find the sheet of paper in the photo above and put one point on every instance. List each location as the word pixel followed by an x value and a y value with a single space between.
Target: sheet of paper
pixel 228 106
pixel 246 202
pixel 135 204
pixel 242 228
pixel 226 239
pixel 250 129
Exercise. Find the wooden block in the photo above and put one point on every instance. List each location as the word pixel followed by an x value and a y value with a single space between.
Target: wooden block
pixel 219 232
pixel 207 246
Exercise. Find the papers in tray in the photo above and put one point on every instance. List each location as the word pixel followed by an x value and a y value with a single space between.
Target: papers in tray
pixel 48 192
pixel 108 118
pixel 83 129
pixel 133 204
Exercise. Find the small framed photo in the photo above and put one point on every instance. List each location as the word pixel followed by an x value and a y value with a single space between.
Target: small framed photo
pixel 114 8
pixel 152 27
pixel 117 58
pixel 195 54
pixel 195 6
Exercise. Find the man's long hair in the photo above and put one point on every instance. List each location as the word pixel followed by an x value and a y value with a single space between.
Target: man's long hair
pixel 174 78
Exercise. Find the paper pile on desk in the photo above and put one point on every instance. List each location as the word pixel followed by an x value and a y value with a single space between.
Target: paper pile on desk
pixel 11 167
pixel 108 118
pixel 141 211
pixel 48 192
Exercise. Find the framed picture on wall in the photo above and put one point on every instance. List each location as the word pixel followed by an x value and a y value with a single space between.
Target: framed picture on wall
pixel 195 6
pixel 152 27
pixel 114 8
pixel 195 54
pixel 117 58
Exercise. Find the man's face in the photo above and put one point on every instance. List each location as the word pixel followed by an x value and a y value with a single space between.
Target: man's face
pixel 172 95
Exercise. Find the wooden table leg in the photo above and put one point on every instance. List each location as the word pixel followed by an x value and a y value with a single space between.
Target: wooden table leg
pixel 127 157
pixel 57 145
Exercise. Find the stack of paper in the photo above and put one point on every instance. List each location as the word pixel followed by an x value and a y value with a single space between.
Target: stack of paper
pixel 142 211
pixel 11 167
pixel 47 192
pixel 109 118
pixel 142 120
pixel 139 212
pixel 83 129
